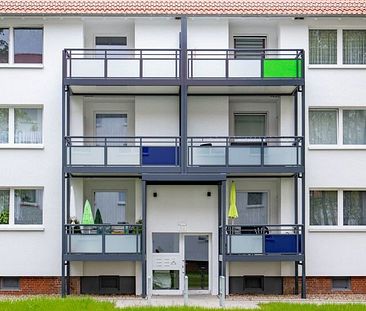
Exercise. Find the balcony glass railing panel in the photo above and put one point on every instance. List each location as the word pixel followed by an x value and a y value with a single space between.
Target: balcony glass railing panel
pixel 283 155
pixel 123 156
pixel 244 68
pixel 122 243
pixel 245 244
pixel 207 156
pixel 84 155
pixel 244 155
pixel 84 243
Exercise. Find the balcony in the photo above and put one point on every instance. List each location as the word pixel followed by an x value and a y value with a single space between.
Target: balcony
pixel 103 242
pixel 139 71
pixel 157 71
pixel 264 242
pixel 234 154
pixel 122 154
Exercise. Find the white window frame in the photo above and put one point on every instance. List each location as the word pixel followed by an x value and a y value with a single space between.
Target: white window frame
pixel 339 144
pixel 252 113
pixel 11 124
pixel 11 226
pixel 339 63
pixel 11 63
pixel 340 226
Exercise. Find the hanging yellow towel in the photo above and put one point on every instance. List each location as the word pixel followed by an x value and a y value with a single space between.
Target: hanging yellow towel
pixel 233 211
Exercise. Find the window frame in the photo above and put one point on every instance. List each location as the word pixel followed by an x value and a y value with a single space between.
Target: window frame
pixel 122 112
pixel 267 207
pixel 94 205
pixel 11 129
pixel 11 63
pixel 337 45
pixel 9 289
pixel 12 225
pixel 340 145
pixel 340 210
pixel 249 113
pixel 339 63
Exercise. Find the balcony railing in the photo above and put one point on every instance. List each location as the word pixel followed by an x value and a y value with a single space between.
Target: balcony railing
pixel 263 240
pixel 123 63
pixel 245 64
pixel 237 151
pixel 122 151
pixel 201 64
pixel 103 239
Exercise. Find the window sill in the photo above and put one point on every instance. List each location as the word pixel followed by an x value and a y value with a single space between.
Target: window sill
pixel 21 146
pixel 337 229
pixel 337 147
pixel 21 228
pixel 336 66
pixel 22 66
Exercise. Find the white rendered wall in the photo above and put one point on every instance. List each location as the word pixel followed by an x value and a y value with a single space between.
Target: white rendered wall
pixel 40 251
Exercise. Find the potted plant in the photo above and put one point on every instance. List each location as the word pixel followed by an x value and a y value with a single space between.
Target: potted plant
pixel 4 216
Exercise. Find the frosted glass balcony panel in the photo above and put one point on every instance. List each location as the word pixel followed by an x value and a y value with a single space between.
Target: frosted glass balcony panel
pixel 122 243
pixel 245 244
pixel 123 156
pixel 159 68
pixel 87 68
pixel 244 155
pixel 207 68
pixel 123 68
pixel 244 68
pixel 207 156
pixel 280 155
pixel 87 156
pixel 86 243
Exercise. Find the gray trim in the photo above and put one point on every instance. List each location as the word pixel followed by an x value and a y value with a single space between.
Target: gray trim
pixel 261 258
pixel 184 178
pixel 143 240
pixel 103 257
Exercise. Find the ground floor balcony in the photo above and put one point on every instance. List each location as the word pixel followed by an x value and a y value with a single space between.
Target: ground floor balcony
pixel 231 154
pixel 103 242
pixel 278 242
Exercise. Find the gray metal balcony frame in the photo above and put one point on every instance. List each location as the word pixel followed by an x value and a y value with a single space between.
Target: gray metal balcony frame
pixel 263 230
pixel 102 232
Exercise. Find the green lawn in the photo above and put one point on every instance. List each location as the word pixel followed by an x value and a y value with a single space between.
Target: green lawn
pixel 89 304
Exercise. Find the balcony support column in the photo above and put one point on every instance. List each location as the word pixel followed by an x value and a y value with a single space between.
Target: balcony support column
pixel 296 188
pixel 143 240
pixel 303 192
pixel 222 233
pixel 183 95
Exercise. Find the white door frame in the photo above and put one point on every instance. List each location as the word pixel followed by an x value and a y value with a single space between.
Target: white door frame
pixel 176 261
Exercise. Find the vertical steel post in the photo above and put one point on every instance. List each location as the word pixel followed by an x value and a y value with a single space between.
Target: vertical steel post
pixel 303 188
pixel 183 94
pixel 143 239
pixel 296 188
pixel 223 228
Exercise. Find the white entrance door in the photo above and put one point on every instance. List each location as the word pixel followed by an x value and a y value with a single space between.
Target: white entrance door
pixel 175 255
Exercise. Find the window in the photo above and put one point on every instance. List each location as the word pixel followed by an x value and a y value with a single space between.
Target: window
pixel 323 208
pixel 4 207
pixel 165 242
pixel 28 207
pixel 26 122
pixel 4 125
pixel 248 43
pixel 165 279
pixel 4 45
pixel 28 45
pixel 250 124
pixel 323 46
pixel 9 283
pixel 354 46
pixel 354 208
pixel 111 205
pixel 354 127
pixel 111 43
pixel 111 124
pixel 252 208
pixel 341 283
pixel 323 127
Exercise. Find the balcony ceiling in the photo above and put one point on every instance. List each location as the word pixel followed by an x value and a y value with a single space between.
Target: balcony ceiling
pixel 245 89
pixel 127 89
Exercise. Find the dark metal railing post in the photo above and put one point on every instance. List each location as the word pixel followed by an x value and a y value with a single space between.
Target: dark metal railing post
pixel 105 65
pixel 262 151
pixel 227 152
pixel 227 64
pixel 141 150
pixel 103 237
pixel 105 152
pixel 141 65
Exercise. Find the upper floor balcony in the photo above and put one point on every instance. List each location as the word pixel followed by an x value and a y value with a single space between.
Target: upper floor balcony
pixel 160 71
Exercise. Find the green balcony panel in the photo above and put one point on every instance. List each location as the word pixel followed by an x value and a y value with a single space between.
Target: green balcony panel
pixel 282 68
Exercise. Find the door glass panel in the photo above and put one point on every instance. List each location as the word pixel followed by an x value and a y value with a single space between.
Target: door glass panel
pixel 111 124
pixel 165 242
pixel 165 279
pixel 112 206
pixel 196 261
pixel 250 124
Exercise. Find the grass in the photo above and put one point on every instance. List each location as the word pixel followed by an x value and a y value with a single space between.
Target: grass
pixel 89 304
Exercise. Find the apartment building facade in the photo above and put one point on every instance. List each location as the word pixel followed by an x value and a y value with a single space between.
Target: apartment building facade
pixel 154 118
